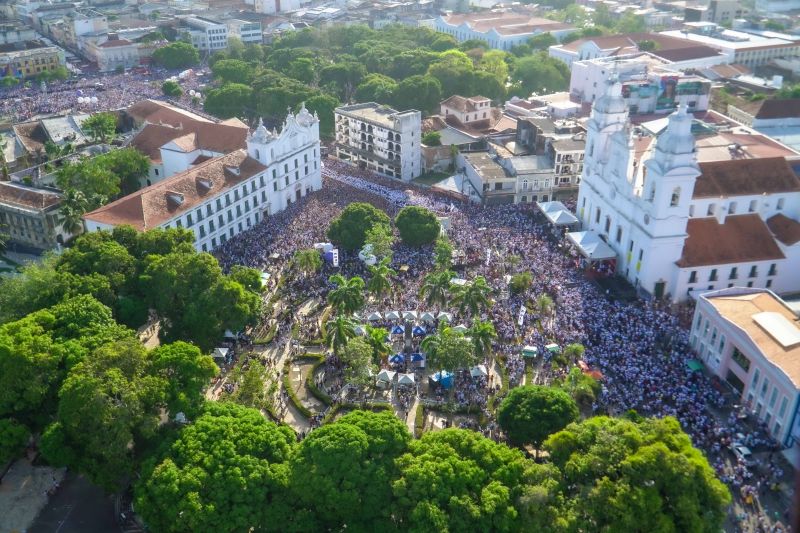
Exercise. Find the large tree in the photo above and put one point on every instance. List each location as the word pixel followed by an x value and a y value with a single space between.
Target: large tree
pixel 348 296
pixel 357 356
pixel 380 282
pixel 625 475
pixel 473 297
pixel 176 55
pixel 436 287
pixel 100 126
pixel 230 100
pixel 350 228
pixel 417 225
pixel 539 74
pixel 187 372
pixel 307 261
pixel 530 414
pixel 418 92
pixel 225 472
pixel 376 88
pixel 232 71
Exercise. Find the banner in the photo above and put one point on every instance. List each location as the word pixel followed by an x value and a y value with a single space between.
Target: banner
pixel 522 312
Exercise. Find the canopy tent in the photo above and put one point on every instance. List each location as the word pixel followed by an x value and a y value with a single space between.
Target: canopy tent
pixel 557 213
pixel 444 378
pixel 459 282
pixel 392 315
pixel 409 315
pixel 530 351
pixel 445 316
pixel 591 246
pixel 405 379
pixel 553 348
pixel 265 278
pixel 360 330
pixel 274 256
pixel 416 357
pixel 229 335
pixel 418 330
pixel 461 328
pixel 220 353
pixel 427 317
pixel 374 316
pixel 356 316
pixel 694 365
pixel 398 330
pixel 479 371
pixel 397 358
pixel 386 376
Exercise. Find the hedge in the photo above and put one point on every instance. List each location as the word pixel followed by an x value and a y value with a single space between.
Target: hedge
pixel 335 408
pixel 269 337
pixel 419 421
pixel 287 384
pixel 315 391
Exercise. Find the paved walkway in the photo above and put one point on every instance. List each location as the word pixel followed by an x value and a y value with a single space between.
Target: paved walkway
pixel 23 493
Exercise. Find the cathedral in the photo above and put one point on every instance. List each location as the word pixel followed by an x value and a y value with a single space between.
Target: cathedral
pixel 679 224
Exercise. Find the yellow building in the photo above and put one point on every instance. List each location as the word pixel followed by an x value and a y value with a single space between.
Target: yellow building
pixel 31 61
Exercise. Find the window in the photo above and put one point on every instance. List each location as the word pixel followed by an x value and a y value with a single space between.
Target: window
pixel 773 269
pixel 619 233
pixel 734 273
pixel 691 210
pixel 754 383
pixel 782 410
pixel 743 362
pixel 780 204
pixel 156 171
pixel 286 179
pixel 189 222
pixel 246 206
pixel 221 221
pixel 753 271
pixel 274 185
pixel 230 216
pixel 227 200
pixel 713 275
pixel 773 398
pixel 753 206
pixel 711 210
pixel 214 242
pixel 209 211
pixel 693 276
pixel 261 180
pixel 211 225
pixel 608 224
pixel 199 214
pixel 238 211
pixel 769 283
pixel 219 204
pixel 597 216
pixel 732 208
pixel 676 196
pixel 202 231
pixel 296 176
pixel 274 173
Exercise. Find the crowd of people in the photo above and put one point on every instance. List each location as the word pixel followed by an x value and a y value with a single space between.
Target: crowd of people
pixel 640 347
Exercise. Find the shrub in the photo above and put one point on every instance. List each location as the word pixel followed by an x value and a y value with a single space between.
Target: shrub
pixel 417 226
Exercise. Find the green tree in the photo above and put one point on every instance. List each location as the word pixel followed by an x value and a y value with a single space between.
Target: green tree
pixel 107 403
pixel 418 226
pixel 303 69
pixel 357 356
pixel 176 55
pixel 71 211
pixel 226 471
pixel 307 261
pixel 472 297
pixel 486 84
pixel 432 138
pixel 482 334
pixel 380 238
pixel 323 105
pixel 520 282
pixel 542 41
pixel 350 228
pixel 339 331
pixel 348 295
pixel 583 388
pixel 378 340
pixel 495 62
pixel 443 254
pixel 624 475
pixel 539 74
pixel 436 287
pixel 344 77
pixel 101 127
pixel 13 439
pixel 454 71
pixel 128 164
pixel 380 282
pixel 629 22
pixel 232 71
pixel 230 100
pixel 419 92
pixel 530 414
pixel 342 472
pixel 249 278
pixel 376 88
pixel 186 371
pixel 171 88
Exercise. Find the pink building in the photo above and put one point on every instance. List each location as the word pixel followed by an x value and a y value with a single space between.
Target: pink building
pixel 750 338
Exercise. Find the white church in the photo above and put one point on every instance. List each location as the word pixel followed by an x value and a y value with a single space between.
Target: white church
pixel 678 226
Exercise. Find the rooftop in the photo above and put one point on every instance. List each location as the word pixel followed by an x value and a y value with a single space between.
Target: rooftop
pixel 152 206
pixel 156 112
pixel 505 23
pixel 464 104
pixel 783 108
pixel 373 112
pixel 485 165
pixel 768 321
pixel 745 177
pixel 740 239
pixel 673 49
pixel 730 39
pixel 19 195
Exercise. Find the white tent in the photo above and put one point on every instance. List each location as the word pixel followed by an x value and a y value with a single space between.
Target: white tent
pixel 356 316
pixel 220 353
pixel 385 377
pixel 591 246
pixel 557 213
pixel 409 315
pixel 405 379
pixel 427 317
pixel 374 316
pixel 360 330
pixel 458 282
pixel 461 328
pixel 229 335
pixel 478 371
pixel 445 316
pixel 393 315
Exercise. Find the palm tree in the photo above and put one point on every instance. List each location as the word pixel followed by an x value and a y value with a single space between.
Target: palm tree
pixel 347 297
pixel 339 331
pixel 482 334
pixel 307 261
pixel 380 284
pixel 73 207
pixel 376 337
pixel 473 297
pixel 544 305
pixel 436 287
pixel 430 344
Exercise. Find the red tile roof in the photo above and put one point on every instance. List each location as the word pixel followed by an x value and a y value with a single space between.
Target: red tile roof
pixel 156 112
pixel 785 229
pixel 784 108
pixel 28 197
pixel 740 177
pixel 152 206
pixel 463 104
pixel 113 43
pixel 190 135
pixel 741 239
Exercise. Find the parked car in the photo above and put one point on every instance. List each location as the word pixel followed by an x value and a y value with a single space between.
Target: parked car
pixel 744 454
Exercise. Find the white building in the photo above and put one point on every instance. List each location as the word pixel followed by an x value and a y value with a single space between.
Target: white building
pixel 206 34
pixel 113 52
pixel 381 139
pixel 679 226
pixel 750 339
pixel 501 30
pixel 466 110
pixel 246 31
pixel 648 85
pixel 271 7
pixel 224 196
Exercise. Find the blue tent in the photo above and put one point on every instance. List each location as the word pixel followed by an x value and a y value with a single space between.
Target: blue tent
pixel 398 330
pixel 419 330
pixel 444 377
pixel 397 358
pixel 417 357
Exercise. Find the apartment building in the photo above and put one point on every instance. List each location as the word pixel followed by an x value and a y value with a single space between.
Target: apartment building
pixel 207 35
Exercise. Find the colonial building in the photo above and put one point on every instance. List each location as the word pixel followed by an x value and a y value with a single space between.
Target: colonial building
pixel 223 196
pixel 30 216
pixel 500 29
pixel 467 110
pixel 381 139
pixel 750 339
pixel 679 225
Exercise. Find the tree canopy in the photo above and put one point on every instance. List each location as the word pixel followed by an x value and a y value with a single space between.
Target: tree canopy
pixel 349 229
pixel 176 55
pixel 417 225
pixel 532 413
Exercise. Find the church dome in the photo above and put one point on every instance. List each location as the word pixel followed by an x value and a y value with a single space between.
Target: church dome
pixel 612 100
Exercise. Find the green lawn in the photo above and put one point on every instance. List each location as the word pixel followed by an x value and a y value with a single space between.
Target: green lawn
pixel 431 178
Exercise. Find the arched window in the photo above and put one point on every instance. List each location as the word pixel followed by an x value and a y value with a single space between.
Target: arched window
pixel 258 154
pixel 676 197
